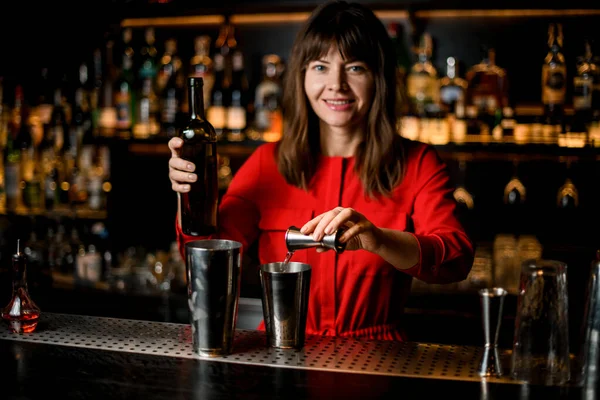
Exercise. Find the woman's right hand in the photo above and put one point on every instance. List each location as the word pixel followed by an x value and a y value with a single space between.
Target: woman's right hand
pixel 181 172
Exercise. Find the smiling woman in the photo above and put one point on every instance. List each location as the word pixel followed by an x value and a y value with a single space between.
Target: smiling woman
pixel 341 165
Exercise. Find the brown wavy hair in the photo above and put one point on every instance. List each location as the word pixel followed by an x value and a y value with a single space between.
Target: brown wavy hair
pixel 359 35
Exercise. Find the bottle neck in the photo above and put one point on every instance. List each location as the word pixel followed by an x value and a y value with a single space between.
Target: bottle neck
pixel 19 280
pixel 196 100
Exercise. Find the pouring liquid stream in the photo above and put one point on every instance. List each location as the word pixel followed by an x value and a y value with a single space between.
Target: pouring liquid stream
pixel 286 261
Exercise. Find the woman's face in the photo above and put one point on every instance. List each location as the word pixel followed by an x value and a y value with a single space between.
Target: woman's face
pixel 340 92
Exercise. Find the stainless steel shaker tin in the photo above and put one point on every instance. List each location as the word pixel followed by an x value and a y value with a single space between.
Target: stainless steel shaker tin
pixel 214 277
pixel 295 240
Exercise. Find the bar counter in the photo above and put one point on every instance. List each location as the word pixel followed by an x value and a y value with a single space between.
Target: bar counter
pixel 76 356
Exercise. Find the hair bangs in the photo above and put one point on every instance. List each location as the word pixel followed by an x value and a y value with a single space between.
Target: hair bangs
pixel 344 31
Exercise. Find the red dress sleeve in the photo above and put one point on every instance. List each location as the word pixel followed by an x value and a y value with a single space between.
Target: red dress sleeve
pixel 447 252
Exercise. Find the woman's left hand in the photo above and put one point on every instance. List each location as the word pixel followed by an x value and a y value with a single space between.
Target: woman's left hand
pixel 360 232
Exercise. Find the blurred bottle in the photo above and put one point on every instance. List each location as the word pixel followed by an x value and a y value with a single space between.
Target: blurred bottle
pixel 238 101
pixel 452 88
pixel 170 89
pixel 95 89
pixel 225 45
pixel 30 183
pixel 487 89
pixel 201 66
pixel 4 120
pixel 148 56
pixel 554 83
pixel 422 82
pixel 81 122
pixel 198 207
pixel 147 121
pixel 107 113
pixel 583 86
pixel 217 112
pixel 124 98
pixel 12 154
pixel 268 118
pixel 403 64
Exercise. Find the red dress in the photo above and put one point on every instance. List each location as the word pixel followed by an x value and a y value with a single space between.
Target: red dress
pixel 355 293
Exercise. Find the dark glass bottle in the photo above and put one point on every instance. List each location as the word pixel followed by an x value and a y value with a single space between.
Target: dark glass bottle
pixel 21 313
pixel 199 205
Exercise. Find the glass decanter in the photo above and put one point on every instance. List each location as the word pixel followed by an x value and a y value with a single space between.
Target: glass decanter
pixel 21 313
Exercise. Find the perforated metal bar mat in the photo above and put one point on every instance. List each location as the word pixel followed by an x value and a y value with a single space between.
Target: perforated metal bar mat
pixel 409 359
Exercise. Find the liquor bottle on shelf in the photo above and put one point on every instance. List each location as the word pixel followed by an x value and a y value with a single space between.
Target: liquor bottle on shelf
pixel 124 89
pixel 148 54
pixel 44 100
pixel 267 100
pixel 12 155
pixel 422 81
pixel 4 120
pixel 198 207
pixel 30 183
pixel 403 64
pixel 107 113
pixel 21 313
pixel 81 122
pixel 169 88
pixel 217 112
pixel 147 114
pixel 554 86
pixel 95 89
pixel 594 126
pixel 225 45
pixel 238 102
pixel 487 88
pixel 452 87
pixel 583 84
pixel 201 65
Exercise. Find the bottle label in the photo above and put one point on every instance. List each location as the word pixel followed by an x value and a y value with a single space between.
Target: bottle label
pixel 553 84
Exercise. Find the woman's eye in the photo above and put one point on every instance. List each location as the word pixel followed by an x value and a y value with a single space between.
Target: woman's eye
pixel 319 67
pixel 357 68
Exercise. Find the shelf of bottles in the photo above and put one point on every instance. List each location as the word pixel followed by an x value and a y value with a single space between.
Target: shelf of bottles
pixel 57 148
pixel 443 110
pixel 51 166
pixel 450 109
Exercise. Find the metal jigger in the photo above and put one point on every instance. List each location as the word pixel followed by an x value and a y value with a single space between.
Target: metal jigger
pixel 295 240
pixel 492 302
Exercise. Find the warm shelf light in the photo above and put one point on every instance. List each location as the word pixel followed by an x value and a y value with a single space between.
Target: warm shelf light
pixel 287 17
pixel 504 13
pixel 277 18
pixel 198 20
